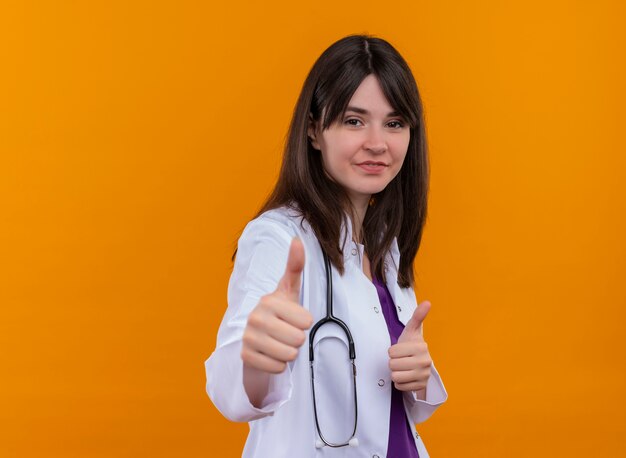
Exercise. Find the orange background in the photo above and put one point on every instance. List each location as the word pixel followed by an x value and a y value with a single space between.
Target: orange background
pixel 137 138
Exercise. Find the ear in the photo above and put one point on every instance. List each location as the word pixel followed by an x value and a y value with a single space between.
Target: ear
pixel 312 132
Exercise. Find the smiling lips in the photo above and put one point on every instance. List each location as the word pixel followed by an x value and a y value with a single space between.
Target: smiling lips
pixel 372 166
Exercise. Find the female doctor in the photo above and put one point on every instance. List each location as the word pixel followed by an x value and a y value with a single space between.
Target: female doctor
pixel 322 348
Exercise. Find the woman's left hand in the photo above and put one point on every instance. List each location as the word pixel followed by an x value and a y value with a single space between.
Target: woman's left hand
pixel 409 359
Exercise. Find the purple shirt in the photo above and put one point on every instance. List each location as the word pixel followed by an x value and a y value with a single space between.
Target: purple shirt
pixel 401 442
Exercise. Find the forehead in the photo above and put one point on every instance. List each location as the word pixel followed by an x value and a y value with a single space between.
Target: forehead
pixel 370 96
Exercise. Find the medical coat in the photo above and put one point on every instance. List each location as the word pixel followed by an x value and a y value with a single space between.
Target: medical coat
pixel 284 426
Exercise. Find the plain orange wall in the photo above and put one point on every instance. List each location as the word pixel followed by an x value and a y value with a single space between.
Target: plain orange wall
pixel 137 139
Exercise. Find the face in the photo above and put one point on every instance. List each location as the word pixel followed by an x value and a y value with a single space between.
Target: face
pixel 364 150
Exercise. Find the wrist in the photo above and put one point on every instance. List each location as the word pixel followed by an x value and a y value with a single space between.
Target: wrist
pixel 256 384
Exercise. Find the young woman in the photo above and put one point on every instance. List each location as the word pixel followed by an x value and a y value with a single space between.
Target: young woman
pixel 321 348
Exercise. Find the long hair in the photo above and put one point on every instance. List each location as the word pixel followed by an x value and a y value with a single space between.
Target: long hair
pixel 400 209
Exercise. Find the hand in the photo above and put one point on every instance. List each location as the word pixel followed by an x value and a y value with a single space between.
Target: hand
pixel 275 328
pixel 409 359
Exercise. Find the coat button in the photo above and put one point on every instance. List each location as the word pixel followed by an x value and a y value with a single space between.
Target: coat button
pixel 381 382
pixel 375 456
pixel 353 251
pixel 417 435
pixel 399 308
pixel 376 309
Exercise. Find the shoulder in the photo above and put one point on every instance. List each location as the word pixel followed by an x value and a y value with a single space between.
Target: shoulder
pixel 263 247
pixel 281 216
pixel 281 223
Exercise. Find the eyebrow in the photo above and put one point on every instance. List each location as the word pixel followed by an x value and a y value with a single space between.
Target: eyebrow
pixel 365 112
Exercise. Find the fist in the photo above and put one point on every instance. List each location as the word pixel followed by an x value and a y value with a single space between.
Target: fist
pixel 275 328
pixel 409 359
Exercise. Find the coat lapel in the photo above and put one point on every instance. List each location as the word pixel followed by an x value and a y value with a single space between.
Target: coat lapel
pixel 403 298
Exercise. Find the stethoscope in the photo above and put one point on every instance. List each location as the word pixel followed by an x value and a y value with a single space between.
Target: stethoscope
pixel 330 318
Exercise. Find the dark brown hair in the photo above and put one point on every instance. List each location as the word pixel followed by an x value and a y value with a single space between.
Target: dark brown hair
pixel 400 209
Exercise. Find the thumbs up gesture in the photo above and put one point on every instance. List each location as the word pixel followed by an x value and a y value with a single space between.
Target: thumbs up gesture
pixel 275 328
pixel 409 359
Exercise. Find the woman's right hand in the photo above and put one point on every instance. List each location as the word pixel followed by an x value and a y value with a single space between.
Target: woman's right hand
pixel 275 328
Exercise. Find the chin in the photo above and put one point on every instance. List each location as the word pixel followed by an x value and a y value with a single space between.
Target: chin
pixel 375 189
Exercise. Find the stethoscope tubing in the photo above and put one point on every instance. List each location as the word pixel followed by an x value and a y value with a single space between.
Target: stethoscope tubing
pixel 331 318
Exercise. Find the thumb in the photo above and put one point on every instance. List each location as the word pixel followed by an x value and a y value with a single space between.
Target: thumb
pixel 413 328
pixel 289 284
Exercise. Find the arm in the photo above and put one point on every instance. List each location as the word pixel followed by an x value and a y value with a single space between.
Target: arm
pixel 434 395
pixel 239 393
pixel 413 370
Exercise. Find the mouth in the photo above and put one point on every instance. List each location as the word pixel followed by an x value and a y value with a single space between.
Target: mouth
pixel 372 167
pixel 373 163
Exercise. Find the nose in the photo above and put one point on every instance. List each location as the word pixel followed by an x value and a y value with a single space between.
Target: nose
pixel 375 141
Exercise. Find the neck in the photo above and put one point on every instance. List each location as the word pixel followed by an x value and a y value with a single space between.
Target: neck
pixel 360 208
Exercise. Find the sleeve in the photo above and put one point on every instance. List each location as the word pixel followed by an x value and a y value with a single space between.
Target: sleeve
pixel 436 394
pixel 260 262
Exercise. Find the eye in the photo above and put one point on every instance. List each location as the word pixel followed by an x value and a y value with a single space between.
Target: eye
pixel 352 122
pixel 396 124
